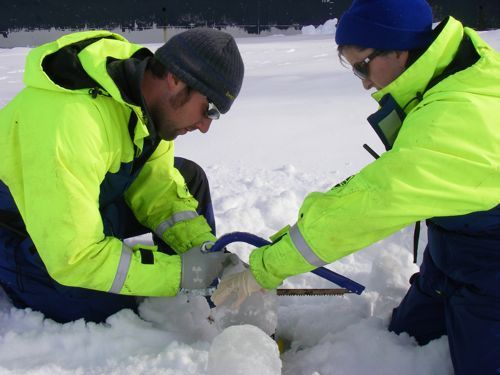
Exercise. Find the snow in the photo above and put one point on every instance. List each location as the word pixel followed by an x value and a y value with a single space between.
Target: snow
pixel 297 127
pixel 327 28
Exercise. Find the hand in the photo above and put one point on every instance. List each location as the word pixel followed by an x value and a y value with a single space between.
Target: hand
pixel 243 284
pixel 200 268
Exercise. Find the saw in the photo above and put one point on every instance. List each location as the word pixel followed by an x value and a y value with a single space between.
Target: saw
pixel 346 285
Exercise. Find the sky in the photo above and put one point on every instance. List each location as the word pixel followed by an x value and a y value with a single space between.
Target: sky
pixel 297 127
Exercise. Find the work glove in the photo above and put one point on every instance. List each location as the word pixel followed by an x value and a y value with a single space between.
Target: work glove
pixel 241 284
pixel 200 267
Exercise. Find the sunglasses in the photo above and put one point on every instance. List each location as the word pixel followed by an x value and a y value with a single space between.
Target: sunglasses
pixel 212 111
pixel 361 69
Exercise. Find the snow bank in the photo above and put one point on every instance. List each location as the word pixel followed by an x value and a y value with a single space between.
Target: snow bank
pixel 327 28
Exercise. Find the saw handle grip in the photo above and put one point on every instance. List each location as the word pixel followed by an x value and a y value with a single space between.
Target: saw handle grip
pixel 257 241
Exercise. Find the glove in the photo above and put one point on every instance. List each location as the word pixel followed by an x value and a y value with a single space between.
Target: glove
pixel 200 268
pixel 243 284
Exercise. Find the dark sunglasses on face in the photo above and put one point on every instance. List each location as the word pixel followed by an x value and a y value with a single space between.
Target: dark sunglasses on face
pixel 212 111
pixel 361 68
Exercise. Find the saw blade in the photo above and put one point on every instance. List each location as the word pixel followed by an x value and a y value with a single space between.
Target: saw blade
pixel 313 292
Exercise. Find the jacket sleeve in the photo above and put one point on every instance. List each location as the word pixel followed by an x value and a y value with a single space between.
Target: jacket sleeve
pixel 161 201
pixel 62 156
pixel 439 166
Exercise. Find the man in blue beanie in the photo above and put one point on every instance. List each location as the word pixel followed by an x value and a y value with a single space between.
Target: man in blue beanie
pixel 439 96
pixel 439 93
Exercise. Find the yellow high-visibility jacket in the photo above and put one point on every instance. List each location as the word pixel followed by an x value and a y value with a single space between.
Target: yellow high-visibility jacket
pixel 445 161
pixel 60 146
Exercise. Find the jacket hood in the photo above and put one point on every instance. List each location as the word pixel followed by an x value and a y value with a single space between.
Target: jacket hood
pixel 78 62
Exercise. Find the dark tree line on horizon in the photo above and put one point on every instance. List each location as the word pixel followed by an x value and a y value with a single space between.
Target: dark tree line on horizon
pixel 256 14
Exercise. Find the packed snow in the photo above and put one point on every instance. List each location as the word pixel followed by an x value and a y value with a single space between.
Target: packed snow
pixel 297 127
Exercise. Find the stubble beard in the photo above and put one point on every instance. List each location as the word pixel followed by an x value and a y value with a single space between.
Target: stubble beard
pixel 166 128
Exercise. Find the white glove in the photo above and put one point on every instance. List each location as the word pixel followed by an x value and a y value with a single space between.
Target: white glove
pixel 201 268
pixel 243 284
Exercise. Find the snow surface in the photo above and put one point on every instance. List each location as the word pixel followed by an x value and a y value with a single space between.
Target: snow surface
pixel 297 127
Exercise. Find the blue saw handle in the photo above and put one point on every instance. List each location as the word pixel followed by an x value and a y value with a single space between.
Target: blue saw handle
pixel 257 241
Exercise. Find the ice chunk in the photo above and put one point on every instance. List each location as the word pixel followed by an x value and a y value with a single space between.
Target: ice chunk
pixel 244 350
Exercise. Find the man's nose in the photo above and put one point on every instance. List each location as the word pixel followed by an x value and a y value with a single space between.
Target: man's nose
pixel 204 125
pixel 367 84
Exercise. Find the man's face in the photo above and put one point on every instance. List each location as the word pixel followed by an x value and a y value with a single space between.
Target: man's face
pixel 382 69
pixel 179 113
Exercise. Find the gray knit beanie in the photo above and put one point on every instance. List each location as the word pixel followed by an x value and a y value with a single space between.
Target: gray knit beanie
pixel 208 61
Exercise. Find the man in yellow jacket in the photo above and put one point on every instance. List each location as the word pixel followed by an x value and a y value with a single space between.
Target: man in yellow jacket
pixel 88 160
pixel 439 97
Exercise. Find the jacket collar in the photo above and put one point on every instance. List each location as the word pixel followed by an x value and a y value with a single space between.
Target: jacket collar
pixel 412 83
pixel 95 62
pixel 402 95
pixel 128 75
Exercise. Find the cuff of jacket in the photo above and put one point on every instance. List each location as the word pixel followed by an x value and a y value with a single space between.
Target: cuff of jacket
pixel 187 234
pixel 271 264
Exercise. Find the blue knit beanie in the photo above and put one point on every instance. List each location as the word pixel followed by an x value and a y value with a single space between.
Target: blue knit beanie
pixel 386 24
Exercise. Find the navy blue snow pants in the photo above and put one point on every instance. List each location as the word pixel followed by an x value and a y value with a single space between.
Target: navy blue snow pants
pixel 435 305
pixel 24 277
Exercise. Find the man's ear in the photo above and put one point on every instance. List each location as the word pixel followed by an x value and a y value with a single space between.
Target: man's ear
pixel 402 57
pixel 402 54
pixel 174 84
